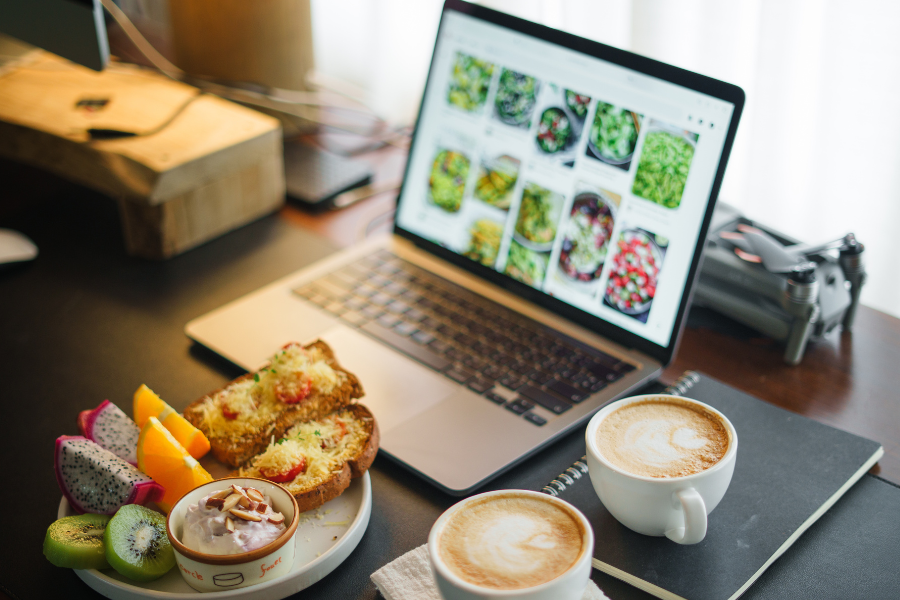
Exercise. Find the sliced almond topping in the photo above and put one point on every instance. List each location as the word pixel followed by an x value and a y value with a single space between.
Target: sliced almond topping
pixel 261 508
pixel 230 502
pixel 238 489
pixel 222 494
pixel 215 503
pixel 229 524
pixel 247 516
pixel 244 502
pixel 276 518
pixel 255 494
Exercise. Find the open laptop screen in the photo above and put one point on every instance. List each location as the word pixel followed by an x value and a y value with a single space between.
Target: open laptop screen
pixel 583 179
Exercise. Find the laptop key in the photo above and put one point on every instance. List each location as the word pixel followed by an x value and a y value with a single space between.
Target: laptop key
pixel 455 354
pixel 371 312
pixel 306 291
pixel 439 346
pixel 540 377
pixel 353 317
pixel 567 391
pixel 398 308
pixel 320 299
pixel 388 320
pixel 536 419
pixel 548 401
pixel 335 308
pixel 404 328
pixel 495 398
pixel 364 291
pixel 517 407
pixel 480 385
pixel 407 346
pixel 380 299
pixel 511 381
pixel 459 375
pixel 414 315
pixel 422 337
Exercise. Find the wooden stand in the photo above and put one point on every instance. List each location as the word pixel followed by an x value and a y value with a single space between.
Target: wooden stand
pixel 213 168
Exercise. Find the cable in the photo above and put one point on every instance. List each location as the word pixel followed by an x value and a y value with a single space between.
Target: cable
pixel 144 47
pixel 101 133
pixel 376 221
pixel 259 99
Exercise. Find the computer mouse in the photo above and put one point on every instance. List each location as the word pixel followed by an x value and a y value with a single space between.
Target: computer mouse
pixel 16 247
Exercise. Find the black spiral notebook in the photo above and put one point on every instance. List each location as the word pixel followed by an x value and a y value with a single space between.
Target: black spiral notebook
pixel 789 471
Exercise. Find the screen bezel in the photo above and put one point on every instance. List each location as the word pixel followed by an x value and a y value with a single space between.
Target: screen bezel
pixel 641 64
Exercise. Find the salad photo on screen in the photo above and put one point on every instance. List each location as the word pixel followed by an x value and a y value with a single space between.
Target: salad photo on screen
pixel 560 123
pixel 613 135
pixel 587 235
pixel 665 161
pixel 527 265
pixel 470 80
pixel 447 182
pixel 496 178
pixel 484 243
pixel 634 272
pixel 538 217
pixel 516 97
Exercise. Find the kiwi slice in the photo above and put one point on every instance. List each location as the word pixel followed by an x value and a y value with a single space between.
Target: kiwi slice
pixel 137 545
pixel 77 542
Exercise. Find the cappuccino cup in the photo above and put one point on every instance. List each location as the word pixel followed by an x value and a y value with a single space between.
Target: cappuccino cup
pixel 660 464
pixel 511 544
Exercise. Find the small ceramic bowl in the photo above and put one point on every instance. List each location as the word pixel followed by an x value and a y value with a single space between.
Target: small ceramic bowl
pixel 215 573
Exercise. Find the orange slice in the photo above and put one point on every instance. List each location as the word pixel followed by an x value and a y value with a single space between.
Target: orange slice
pixel 165 460
pixel 147 404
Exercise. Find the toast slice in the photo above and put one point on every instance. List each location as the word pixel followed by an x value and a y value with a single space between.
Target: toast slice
pixel 298 384
pixel 316 460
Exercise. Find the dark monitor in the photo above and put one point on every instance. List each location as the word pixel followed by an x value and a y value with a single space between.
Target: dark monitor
pixel 73 29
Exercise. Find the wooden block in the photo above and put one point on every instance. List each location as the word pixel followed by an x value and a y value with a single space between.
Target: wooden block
pixel 216 166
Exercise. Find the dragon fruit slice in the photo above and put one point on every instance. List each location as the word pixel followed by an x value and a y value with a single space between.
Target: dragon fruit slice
pixel 97 481
pixel 112 429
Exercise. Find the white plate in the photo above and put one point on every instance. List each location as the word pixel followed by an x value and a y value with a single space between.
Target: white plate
pixel 325 537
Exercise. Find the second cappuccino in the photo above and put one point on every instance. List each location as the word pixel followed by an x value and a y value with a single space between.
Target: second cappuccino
pixel 662 437
pixel 511 543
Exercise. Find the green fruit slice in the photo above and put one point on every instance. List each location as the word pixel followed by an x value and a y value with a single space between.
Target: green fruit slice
pixel 137 545
pixel 77 542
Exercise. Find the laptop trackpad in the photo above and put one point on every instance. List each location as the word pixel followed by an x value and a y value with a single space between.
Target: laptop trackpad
pixel 396 387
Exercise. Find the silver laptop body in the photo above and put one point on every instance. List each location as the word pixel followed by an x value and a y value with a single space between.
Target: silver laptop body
pixel 446 427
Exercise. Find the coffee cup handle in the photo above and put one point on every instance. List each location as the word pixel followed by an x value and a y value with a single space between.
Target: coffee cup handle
pixel 694 508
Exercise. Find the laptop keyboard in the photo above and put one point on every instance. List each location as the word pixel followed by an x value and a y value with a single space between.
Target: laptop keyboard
pixel 466 337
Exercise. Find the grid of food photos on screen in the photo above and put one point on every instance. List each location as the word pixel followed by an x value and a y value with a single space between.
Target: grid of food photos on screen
pixel 533 179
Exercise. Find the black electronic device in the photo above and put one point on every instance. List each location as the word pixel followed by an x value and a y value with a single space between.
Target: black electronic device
pixel 315 177
pixel 73 29
pixel 787 290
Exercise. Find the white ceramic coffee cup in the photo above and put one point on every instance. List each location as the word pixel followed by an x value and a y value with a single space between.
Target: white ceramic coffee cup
pixel 675 507
pixel 568 586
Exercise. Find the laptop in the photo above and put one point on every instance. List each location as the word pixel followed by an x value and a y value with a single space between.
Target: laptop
pixel 547 237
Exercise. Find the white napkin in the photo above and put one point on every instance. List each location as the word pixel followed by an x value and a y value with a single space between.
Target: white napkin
pixel 409 578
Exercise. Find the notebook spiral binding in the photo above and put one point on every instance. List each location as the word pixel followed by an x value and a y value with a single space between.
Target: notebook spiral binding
pixel 579 468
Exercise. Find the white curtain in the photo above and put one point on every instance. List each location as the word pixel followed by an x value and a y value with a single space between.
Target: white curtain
pixel 818 148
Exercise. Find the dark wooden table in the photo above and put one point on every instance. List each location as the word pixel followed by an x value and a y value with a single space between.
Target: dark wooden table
pixel 86 322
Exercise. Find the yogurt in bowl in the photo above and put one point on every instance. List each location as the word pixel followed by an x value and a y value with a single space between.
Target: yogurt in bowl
pixel 233 533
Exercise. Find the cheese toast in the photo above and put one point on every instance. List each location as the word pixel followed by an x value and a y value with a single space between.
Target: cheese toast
pixel 316 460
pixel 298 384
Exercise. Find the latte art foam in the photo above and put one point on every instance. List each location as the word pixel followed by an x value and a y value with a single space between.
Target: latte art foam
pixel 662 438
pixel 510 542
